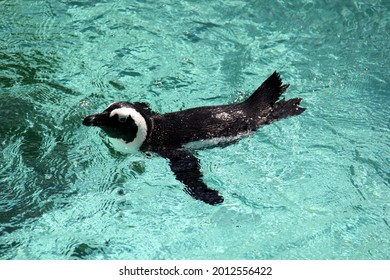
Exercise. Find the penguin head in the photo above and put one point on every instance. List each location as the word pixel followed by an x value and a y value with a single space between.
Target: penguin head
pixel 121 121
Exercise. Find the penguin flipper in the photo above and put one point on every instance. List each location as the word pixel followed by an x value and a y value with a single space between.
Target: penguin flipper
pixel 186 168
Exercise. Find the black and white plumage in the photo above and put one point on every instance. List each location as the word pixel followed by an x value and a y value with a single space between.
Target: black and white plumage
pixel 134 126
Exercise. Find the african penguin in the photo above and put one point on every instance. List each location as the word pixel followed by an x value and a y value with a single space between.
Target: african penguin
pixel 134 126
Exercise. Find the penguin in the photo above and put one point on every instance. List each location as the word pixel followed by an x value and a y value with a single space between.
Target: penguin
pixel 135 126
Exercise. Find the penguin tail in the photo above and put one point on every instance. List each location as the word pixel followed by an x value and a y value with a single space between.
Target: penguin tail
pixel 265 99
pixel 268 93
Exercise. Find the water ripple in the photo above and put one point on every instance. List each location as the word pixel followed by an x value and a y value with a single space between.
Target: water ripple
pixel 289 188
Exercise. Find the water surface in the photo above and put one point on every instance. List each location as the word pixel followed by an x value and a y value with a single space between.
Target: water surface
pixel 310 187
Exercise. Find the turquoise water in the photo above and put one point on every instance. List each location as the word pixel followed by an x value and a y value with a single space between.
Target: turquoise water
pixel 310 187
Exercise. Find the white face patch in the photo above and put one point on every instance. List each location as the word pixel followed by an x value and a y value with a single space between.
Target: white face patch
pixel 139 120
pixel 122 113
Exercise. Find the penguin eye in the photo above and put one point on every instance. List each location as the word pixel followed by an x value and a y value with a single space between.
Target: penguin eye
pixel 122 119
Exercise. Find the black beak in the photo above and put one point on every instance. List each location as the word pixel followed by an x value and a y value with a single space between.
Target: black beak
pixel 96 120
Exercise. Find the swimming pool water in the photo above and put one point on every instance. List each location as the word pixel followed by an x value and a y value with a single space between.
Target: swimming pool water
pixel 314 186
